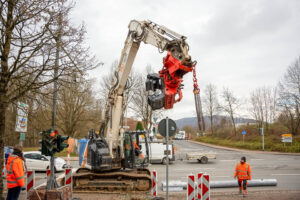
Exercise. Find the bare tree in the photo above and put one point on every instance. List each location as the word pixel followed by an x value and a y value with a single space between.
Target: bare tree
pixel 139 101
pixel 263 105
pixel 27 50
pixel 211 103
pixel 289 96
pixel 230 106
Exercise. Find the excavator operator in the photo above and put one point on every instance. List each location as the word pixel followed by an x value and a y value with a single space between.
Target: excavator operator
pixel 138 151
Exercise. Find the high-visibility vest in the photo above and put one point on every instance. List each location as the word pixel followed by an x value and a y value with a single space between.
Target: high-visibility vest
pixel 243 171
pixel 15 171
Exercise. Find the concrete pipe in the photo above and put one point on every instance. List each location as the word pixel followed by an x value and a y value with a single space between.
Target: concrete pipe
pixel 180 185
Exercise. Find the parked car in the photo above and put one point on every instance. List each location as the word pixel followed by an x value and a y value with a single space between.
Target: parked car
pixel 36 161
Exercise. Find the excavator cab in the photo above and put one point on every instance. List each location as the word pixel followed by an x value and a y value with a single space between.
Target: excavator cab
pixel 134 142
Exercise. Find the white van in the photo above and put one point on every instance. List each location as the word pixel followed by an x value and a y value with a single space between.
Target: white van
pixel 158 152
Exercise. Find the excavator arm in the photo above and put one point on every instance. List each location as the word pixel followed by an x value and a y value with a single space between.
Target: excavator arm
pixel 176 64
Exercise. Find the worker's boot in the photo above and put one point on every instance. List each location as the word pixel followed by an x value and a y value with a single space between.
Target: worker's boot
pixel 244 192
pixel 240 190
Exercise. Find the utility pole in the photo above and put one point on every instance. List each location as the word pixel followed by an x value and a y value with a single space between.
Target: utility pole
pixel 51 184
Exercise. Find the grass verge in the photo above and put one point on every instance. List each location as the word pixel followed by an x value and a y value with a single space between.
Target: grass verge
pixel 253 144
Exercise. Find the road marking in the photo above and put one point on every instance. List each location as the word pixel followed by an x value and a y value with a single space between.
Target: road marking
pixel 227 160
pixel 221 176
pixel 285 174
pixel 199 169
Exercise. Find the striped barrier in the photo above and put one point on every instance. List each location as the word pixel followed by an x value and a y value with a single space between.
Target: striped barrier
pixel 154 183
pixel 205 187
pixel 191 187
pixel 68 176
pixel 68 180
pixel 199 186
pixel 29 182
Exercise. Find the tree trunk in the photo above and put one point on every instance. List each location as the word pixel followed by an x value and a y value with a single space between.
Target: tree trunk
pixel 3 106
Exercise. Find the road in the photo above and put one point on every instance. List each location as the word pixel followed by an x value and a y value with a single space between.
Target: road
pixel 284 168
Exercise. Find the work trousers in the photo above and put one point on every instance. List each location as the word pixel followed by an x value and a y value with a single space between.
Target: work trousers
pixel 242 183
pixel 13 193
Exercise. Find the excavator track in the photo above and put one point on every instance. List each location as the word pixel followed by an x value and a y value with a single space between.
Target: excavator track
pixel 127 181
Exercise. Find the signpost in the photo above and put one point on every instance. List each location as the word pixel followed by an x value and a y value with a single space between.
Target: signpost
pixel 243 133
pixel 167 127
pixel 21 120
pixel 287 138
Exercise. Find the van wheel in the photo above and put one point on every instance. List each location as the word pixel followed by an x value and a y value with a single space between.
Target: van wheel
pixel 164 161
pixel 204 160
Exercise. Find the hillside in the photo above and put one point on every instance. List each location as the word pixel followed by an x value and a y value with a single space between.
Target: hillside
pixel 192 121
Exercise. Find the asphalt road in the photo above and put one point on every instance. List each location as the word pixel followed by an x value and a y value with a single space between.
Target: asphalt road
pixel 284 168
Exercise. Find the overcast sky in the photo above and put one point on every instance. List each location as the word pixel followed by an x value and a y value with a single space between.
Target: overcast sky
pixel 241 45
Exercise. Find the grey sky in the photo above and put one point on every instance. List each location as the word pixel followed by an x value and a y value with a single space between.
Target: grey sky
pixel 238 44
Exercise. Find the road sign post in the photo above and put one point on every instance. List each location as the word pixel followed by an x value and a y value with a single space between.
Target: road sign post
pixel 243 133
pixel 167 127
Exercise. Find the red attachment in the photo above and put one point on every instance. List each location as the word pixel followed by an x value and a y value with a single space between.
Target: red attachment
pixel 172 73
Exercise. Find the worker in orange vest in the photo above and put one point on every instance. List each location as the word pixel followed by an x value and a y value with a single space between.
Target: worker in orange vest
pixel 243 173
pixel 15 173
pixel 138 152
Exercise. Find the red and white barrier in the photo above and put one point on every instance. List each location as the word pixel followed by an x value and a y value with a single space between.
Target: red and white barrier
pixel 68 176
pixel 29 181
pixel 191 187
pixel 205 187
pixel 199 186
pixel 154 183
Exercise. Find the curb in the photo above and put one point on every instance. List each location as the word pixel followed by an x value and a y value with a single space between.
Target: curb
pixel 244 150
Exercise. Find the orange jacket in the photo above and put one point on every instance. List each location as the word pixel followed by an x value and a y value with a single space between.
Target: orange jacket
pixel 15 171
pixel 243 171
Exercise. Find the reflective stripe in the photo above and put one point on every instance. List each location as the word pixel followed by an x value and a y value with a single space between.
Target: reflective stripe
pixel 20 177
pixel 11 165
pixel 12 181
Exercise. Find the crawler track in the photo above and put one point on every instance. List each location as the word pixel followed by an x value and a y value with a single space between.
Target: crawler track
pixel 127 181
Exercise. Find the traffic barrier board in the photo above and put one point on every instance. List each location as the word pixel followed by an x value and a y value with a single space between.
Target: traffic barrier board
pixel 154 183
pixel 205 187
pixel 29 181
pixel 199 186
pixel 191 187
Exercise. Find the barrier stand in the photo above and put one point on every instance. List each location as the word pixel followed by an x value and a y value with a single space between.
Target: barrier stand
pixel 29 181
pixel 68 159
pixel 68 179
pixel 154 183
pixel 199 186
pixel 205 187
pixel 191 187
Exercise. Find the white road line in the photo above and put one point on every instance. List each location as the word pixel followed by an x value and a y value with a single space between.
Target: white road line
pixel 285 174
pixel 228 160
pixel 220 176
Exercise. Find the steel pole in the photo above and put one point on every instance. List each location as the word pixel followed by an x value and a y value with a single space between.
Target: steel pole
pixel 167 167
pixel 263 138
pixel 51 184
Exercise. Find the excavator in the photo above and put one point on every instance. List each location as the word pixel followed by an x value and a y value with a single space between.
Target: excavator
pixel 113 160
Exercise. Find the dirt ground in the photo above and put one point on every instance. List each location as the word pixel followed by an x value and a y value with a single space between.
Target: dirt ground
pixel 255 195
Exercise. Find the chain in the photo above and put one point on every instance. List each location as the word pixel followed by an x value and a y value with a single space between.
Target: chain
pixel 196 87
